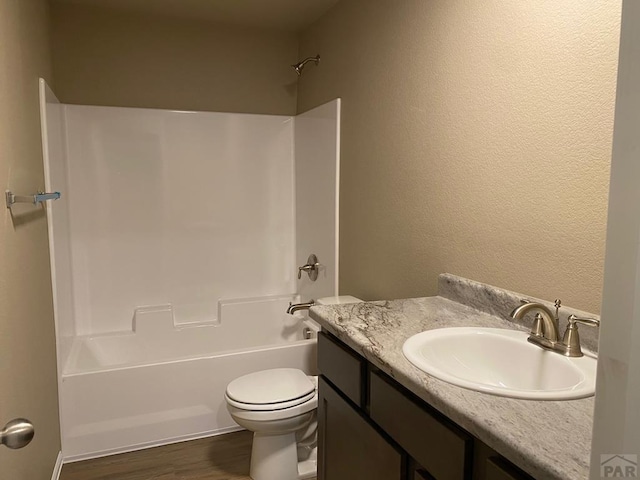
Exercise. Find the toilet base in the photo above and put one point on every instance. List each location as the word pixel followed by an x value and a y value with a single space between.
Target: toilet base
pixel 274 457
pixel 308 468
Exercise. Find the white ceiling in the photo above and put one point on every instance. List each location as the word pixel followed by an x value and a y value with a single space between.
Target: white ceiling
pixel 291 15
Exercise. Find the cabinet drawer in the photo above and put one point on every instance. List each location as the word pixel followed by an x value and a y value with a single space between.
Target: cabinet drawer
pixel 442 448
pixel 490 465
pixel 341 367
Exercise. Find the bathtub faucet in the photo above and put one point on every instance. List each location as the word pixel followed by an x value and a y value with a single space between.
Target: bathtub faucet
pixel 294 307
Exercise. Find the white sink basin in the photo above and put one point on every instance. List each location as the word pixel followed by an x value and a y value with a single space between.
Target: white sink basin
pixel 500 362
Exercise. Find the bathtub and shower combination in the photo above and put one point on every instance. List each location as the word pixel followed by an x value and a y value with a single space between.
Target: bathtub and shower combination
pixel 166 384
pixel 174 251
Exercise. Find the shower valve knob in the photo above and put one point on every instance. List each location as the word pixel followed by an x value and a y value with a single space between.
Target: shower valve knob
pixel 311 267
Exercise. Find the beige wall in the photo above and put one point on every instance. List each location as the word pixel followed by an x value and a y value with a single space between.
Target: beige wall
pixel 476 136
pixel 476 140
pixel 105 57
pixel 27 340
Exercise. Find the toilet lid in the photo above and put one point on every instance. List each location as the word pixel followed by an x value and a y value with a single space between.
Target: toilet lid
pixel 270 386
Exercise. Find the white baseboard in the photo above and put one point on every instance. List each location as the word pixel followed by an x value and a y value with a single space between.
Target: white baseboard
pixel 57 469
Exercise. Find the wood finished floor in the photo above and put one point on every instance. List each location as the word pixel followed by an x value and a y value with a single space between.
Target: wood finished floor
pixel 224 457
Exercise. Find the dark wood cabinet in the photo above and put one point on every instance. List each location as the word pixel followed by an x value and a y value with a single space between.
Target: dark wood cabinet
pixel 499 469
pixel 343 367
pixel 370 427
pixel 444 452
pixel 421 474
pixel 350 448
pixel 489 465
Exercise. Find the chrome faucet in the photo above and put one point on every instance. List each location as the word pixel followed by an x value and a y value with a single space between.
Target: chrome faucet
pixel 545 330
pixel 294 307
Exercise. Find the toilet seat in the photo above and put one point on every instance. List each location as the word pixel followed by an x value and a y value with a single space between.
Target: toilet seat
pixel 272 394
pixel 272 415
pixel 267 390
pixel 269 406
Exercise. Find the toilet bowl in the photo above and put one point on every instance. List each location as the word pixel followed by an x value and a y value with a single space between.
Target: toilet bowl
pixel 279 406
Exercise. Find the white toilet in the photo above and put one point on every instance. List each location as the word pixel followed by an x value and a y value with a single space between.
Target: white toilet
pixel 279 406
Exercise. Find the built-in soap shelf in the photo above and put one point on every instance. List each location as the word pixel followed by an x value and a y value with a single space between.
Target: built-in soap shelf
pixel 155 336
pixel 155 319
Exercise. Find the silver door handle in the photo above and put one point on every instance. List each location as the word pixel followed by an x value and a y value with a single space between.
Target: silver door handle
pixel 17 433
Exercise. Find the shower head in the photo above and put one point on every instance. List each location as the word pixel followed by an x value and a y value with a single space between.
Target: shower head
pixel 300 65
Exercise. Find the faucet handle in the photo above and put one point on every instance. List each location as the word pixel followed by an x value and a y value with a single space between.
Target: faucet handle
pixel 586 321
pixel 571 339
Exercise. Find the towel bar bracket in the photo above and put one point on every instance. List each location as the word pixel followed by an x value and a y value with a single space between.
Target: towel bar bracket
pixel 35 199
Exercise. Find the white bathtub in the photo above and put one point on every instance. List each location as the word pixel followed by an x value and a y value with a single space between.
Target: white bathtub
pixel 163 383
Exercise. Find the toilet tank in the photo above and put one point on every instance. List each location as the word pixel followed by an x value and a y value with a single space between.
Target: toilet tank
pixel 312 327
pixel 339 300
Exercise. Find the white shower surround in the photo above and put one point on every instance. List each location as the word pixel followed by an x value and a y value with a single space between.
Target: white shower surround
pixel 174 253
pixel 171 207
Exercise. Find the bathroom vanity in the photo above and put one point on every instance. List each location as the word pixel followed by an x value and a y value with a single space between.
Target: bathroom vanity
pixel 371 427
pixel 382 418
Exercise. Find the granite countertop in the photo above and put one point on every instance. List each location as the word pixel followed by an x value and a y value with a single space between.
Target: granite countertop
pixel 547 439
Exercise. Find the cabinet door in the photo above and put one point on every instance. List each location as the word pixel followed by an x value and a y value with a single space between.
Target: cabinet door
pixel 349 447
pixel 343 367
pixel 421 474
pixel 500 469
pixel 436 443
pixel 489 465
